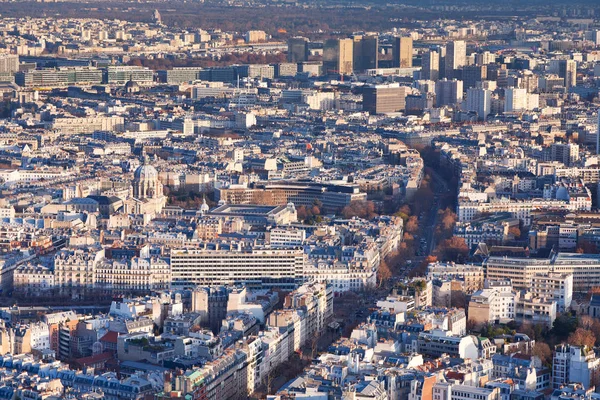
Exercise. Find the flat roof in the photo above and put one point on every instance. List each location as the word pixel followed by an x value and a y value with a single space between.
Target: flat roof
pixel 244 209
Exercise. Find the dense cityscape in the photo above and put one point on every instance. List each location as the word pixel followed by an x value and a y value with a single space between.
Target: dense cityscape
pixel 263 199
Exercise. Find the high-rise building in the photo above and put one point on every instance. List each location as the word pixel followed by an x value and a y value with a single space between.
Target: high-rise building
pixel 516 99
pixel 529 81
pixel 479 101
pixel 431 66
pixel 365 52
pixel 593 36
pixel 598 136
pixel 255 36
pixel 285 69
pixel 383 99
pixel 485 58
pixel 297 49
pixel 471 74
pixel 402 52
pixel 448 92
pixel 456 57
pixel 338 56
pixel 567 153
pixel 567 69
pixel 211 304
pixel 9 63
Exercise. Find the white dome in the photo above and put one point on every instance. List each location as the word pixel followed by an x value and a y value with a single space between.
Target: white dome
pixel 145 173
pixel 204 207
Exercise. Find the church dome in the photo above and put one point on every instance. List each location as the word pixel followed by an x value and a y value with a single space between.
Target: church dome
pixel 132 87
pixel 145 173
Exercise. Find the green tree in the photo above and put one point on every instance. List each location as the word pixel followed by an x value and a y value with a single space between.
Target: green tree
pixel 564 325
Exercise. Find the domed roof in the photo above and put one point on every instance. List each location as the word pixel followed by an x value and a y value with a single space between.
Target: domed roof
pixel 145 172
pixel 131 84
pixel 562 193
pixel 204 208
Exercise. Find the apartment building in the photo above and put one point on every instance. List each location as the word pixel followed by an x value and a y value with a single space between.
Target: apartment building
pixel 466 392
pixel 76 268
pixel 494 303
pixel 534 310
pixel 88 124
pixel 574 364
pixel 472 276
pixel 436 343
pixel 33 279
pixel 147 274
pixel 554 286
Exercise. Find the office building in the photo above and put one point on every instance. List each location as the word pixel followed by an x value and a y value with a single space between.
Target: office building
pixel 311 68
pixel 383 99
pixel 297 50
pixel 402 52
pixel 256 71
pixel 219 74
pixel 472 74
pixel 285 69
pixel 179 75
pixel 438 342
pixel 333 196
pixel 338 56
pixel 122 74
pixel 59 77
pixel 365 52
pixel 585 269
pixel 221 264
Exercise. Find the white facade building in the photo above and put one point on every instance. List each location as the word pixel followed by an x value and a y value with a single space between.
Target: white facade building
pixel 494 303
